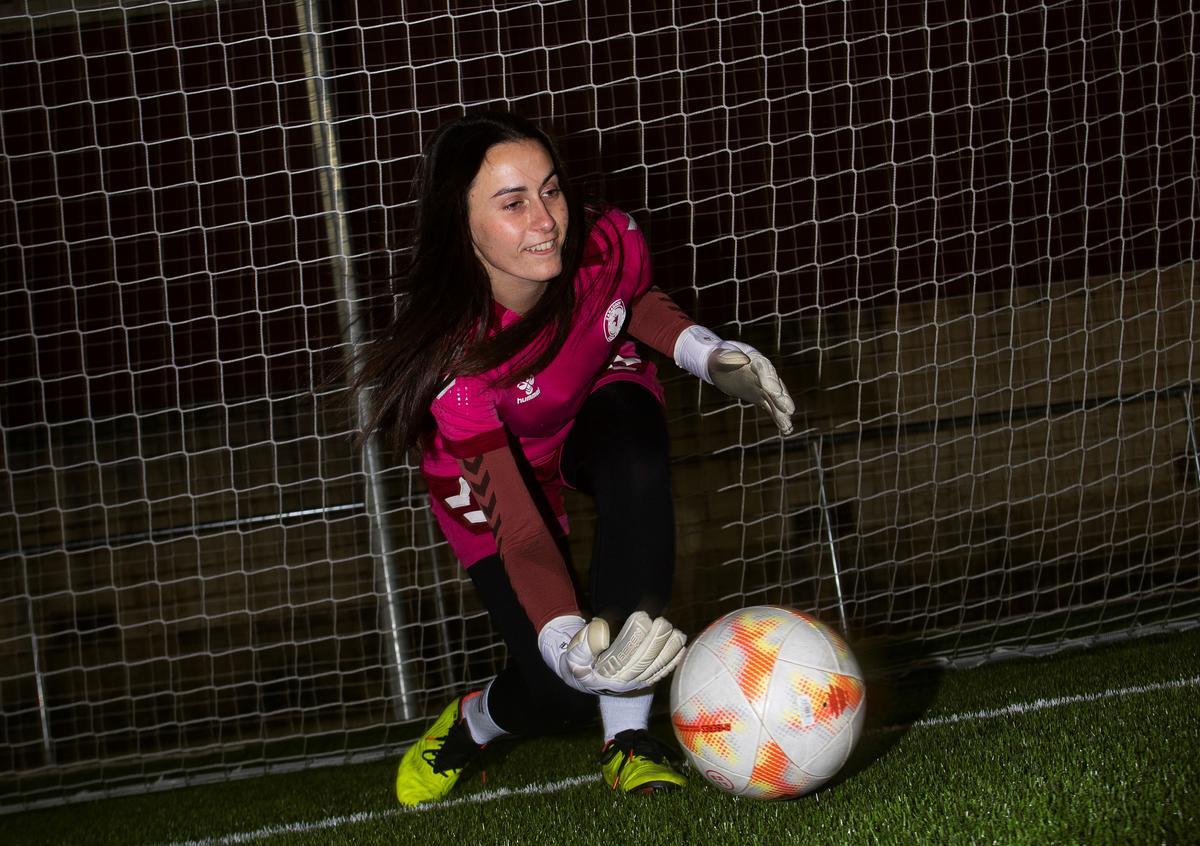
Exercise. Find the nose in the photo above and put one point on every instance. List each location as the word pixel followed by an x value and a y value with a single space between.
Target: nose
pixel 543 221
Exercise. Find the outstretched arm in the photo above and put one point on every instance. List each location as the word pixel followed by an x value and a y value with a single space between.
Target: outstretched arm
pixel 737 369
pixel 657 321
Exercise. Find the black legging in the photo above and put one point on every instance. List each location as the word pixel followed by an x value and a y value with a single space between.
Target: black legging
pixel 617 453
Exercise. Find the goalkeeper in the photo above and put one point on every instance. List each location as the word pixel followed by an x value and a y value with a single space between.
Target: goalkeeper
pixel 511 361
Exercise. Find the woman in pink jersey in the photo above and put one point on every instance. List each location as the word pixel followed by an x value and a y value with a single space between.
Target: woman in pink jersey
pixel 512 363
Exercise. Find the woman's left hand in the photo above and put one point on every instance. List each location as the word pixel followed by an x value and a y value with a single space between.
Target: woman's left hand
pixel 742 372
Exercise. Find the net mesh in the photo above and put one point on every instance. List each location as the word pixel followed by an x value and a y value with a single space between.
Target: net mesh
pixel 969 244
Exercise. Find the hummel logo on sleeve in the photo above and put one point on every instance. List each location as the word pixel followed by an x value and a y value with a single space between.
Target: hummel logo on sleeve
pixel 531 392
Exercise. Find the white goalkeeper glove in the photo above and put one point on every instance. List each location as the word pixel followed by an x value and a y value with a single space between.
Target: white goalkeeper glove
pixel 581 654
pixel 738 370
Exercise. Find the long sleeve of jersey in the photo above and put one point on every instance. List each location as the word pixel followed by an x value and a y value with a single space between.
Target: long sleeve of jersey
pixel 657 321
pixel 532 560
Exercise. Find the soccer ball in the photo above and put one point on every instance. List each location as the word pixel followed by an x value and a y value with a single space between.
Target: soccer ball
pixel 767 703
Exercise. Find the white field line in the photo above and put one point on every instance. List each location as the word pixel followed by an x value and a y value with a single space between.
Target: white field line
pixel 567 783
pixel 1041 705
pixel 369 816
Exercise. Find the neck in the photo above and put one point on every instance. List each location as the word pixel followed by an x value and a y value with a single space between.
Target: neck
pixel 518 298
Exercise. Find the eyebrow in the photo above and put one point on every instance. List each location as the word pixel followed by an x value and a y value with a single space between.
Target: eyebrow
pixel 516 189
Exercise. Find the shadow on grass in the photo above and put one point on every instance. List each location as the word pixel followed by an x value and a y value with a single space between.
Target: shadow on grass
pixel 894 701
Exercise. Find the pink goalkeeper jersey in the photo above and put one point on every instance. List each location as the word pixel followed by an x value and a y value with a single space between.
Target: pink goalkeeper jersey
pixel 474 416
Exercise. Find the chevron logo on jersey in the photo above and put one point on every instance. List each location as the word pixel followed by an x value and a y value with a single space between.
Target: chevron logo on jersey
pixel 622 362
pixel 462 501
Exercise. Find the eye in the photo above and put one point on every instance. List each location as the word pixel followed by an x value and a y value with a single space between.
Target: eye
pixel 552 192
pixel 513 205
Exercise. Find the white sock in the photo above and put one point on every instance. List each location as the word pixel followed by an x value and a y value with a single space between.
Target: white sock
pixel 480 723
pixel 620 713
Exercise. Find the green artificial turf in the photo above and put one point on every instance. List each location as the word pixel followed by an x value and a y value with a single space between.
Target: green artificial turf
pixel 936 765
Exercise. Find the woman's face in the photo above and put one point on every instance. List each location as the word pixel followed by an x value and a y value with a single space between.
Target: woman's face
pixel 518 219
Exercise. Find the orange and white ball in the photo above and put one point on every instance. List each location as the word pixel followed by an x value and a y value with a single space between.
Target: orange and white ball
pixel 768 703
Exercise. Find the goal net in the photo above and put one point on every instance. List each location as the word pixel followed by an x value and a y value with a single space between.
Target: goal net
pixel 969 244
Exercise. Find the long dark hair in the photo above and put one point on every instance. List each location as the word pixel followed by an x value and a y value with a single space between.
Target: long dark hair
pixel 443 321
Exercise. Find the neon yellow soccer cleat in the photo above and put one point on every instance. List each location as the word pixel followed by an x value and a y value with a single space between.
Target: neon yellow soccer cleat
pixel 636 762
pixel 432 765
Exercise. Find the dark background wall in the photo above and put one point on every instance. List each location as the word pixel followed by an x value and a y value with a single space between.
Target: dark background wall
pixel 164 243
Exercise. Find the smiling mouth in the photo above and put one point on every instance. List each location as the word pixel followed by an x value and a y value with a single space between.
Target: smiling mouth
pixel 543 248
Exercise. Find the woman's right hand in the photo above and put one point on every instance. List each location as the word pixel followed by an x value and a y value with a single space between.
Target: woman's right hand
pixel 581 654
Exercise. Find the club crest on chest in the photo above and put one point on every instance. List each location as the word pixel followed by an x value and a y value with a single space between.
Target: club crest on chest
pixel 614 319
